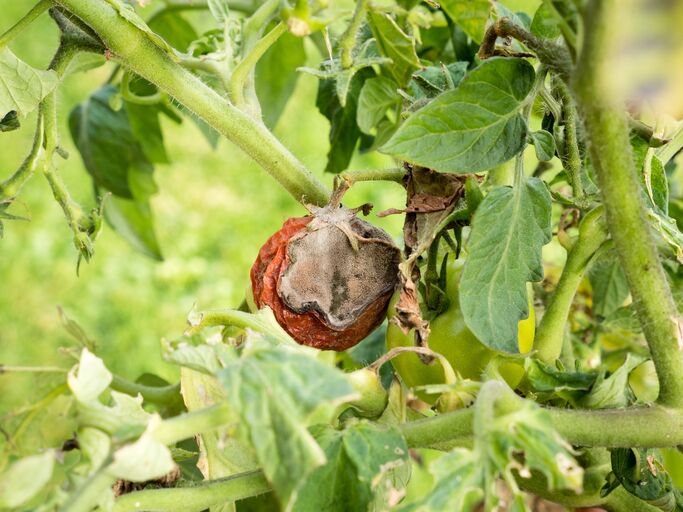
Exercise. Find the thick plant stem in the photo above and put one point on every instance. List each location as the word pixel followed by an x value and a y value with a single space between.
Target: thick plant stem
pixel 646 427
pixel 166 395
pixel 197 498
pixel 139 54
pixel 608 136
pixel 24 22
pixel 550 334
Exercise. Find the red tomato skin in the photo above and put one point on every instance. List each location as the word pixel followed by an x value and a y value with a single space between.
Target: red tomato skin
pixel 306 328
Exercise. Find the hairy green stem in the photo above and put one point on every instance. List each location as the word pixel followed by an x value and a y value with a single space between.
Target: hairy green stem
pixel 242 71
pixel 608 135
pixel 391 174
pixel 571 160
pixel 197 498
pixel 348 39
pixel 190 424
pixel 11 187
pixel 24 22
pixel 646 427
pixel 550 335
pixel 138 53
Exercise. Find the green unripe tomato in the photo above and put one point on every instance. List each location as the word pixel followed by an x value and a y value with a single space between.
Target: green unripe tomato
pixel 450 336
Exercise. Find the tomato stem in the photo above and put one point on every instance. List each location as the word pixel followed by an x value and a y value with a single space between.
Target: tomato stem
pixel 610 148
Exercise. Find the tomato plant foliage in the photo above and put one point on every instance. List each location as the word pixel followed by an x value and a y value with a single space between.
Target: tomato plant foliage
pixel 522 166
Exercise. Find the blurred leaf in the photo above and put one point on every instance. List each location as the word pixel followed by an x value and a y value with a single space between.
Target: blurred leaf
pixel 358 458
pixel 376 97
pixel 431 81
pixel 95 445
pixel 609 285
pixel 613 392
pixel 209 133
pixel 146 130
pixel 145 459
pixel 458 484
pixel 89 378
pixel 344 132
pixel 22 87
pixel 513 224
pixel 192 353
pixel 133 221
pixel 472 128
pixel 471 16
pixel 641 472
pixel 24 479
pixel 520 18
pixel 544 144
pixel 278 392
pixel 394 44
pixel 544 23
pixel 276 76
pixel 106 142
pixel 175 29
pixel 220 9
pixel 10 122
pixel 76 331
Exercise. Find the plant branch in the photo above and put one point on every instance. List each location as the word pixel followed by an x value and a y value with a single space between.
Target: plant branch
pixel 391 174
pixel 669 150
pixel 646 427
pixel 556 57
pixel 11 187
pixel 167 395
pixel 196 498
pixel 348 38
pixel 571 160
pixel 138 53
pixel 24 22
pixel 608 133
pixel 550 334
pixel 240 75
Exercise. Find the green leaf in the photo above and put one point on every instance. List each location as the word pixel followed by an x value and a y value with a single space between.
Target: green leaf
pixel 544 145
pixel 146 129
pixel 358 459
pixel 276 76
pixel 508 231
pixel 394 44
pixel 433 80
pixel 471 16
pixel 376 97
pixel 106 142
pixel 472 128
pixel 193 353
pixel 549 382
pixel 545 24
pixel 641 472
pixel 133 221
pixel 613 392
pixel 609 285
pixel 89 378
pixel 458 484
pixel 24 479
pixel 175 29
pixel 145 459
pixel 10 122
pixel 22 87
pixel 278 392
pixel 344 131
